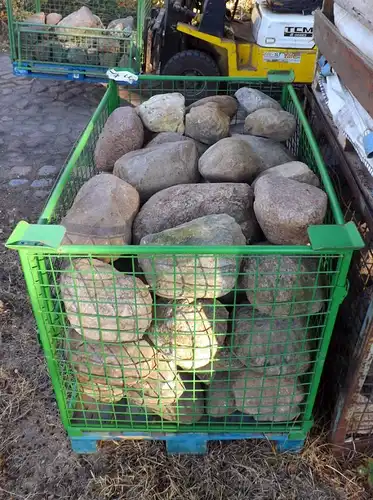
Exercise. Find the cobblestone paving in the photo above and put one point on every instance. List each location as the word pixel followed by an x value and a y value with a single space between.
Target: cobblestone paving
pixel 40 120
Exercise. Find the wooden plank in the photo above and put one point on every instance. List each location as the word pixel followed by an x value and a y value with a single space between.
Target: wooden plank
pixel 361 9
pixel 327 8
pixel 355 70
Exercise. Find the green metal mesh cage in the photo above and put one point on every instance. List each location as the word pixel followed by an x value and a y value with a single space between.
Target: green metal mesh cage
pixel 56 49
pixel 179 338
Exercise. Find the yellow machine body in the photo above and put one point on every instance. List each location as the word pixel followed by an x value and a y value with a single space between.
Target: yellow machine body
pixel 249 60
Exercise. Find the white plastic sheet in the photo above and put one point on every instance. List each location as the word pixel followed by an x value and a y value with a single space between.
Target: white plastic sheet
pixel 348 115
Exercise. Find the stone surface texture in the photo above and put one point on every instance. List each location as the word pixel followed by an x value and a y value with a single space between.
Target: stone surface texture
pixel 163 113
pixel 295 170
pixel 271 153
pixel 286 208
pixel 207 123
pixel 152 169
pixel 123 132
pixel 271 123
pixel 208 276
pixel 40 122
pixel 102 213
pixel 185 202
pixel 226 103
pixel 230 160
pixel 253 99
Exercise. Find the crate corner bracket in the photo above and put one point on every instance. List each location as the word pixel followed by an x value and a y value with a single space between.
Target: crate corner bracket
pixel 35 235
pixel 335 237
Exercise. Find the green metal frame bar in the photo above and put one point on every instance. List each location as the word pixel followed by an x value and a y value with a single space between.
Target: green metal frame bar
pixel 333 200
pixel 11 30
pixel 339 294
pixel 36 291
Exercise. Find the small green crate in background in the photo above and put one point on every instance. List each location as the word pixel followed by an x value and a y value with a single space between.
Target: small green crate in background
pixel 89 52
pixel 248 360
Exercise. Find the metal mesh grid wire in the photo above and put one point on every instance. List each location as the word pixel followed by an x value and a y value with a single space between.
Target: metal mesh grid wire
pixel 293 302
pixel 269 361
pixel 349 375
pixel 88 48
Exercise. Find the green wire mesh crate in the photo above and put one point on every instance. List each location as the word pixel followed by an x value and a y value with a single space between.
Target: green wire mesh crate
pixel 241 356
pixel 79 52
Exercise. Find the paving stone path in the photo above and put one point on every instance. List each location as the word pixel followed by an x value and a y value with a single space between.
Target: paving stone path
pixel 40 120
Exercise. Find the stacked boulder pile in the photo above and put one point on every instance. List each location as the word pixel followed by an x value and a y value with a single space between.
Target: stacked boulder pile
pixel 183 336
pixel 81 38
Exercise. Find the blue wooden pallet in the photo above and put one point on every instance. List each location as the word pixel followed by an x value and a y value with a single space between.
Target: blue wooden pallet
pixel 184 443
pixel 60 72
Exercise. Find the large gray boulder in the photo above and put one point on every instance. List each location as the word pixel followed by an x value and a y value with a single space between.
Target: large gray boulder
pixel 190 406
pixel 117 364
pixel 190 334
pixel 271 123
pixel 224 361
pixel 271 153
pixel 53 18
pixel 226 103
pixel 73 23
pixel 104 304
pixel 123 132
pixel 230 160
pixel 99 392
pixel 102 213
pixel 183 203
pixel 187 408
pixel 152 169
pixel 272 346
pixel 187 277
pixel 37 18
pixel 295 170
pixel 162 385
pixel 268 399
pixel 163 113
pixel 165 137
pixel 252 99
pixel 282 286
pixel 285 208
pixel 121 26
pixel 207 123
pixel 220 397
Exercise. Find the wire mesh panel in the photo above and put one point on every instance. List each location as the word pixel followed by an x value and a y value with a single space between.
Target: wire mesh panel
pixel 128 356
pixel 179 338
pixel 86 37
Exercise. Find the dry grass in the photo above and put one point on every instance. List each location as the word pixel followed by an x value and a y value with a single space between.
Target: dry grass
pixel 231 471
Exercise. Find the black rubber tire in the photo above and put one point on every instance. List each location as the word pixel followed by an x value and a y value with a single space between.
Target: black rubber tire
pixel 189 63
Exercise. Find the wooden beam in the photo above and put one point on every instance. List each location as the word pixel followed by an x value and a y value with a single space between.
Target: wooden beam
pixel 355 70
pixel 361 9
pixel 328 8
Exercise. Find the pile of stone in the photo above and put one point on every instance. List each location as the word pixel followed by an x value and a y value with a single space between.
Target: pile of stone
pixel 81 38
pixel 185 335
